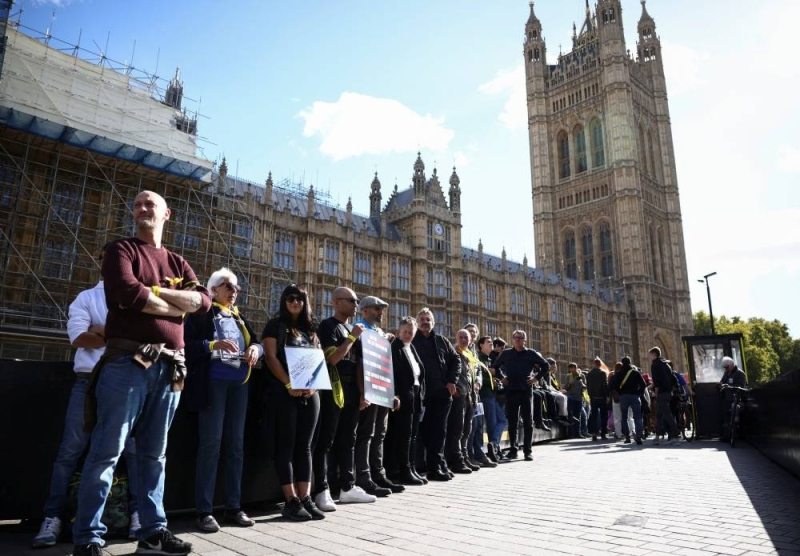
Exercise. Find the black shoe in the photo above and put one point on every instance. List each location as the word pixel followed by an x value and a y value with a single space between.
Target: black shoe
pixel 386 483
pixel 462 469
pixel 375 490
pixel 237 517
pixel 575 419
pixel 163 542
pixel 528 457
pixel 512 454
pixel 639 441
pixel 92 549
pixel 438 476
pixel 408 478
pixel 604 436
pixel 294 510
pixel 594 438
pixel 565 421
pixel 419 476
pixel 490 453
pixel 627 440
pixel 542 426
pixel 312 509
pixel 471 464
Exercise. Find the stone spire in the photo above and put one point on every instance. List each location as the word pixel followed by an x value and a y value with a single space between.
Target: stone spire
pixel 310 209
pixel 375 198
pixel 222 184
pixel 419 178
pixel 348 219
pixel 268 190
pixel 455 192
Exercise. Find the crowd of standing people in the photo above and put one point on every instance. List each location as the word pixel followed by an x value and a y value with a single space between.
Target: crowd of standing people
pixel 150 330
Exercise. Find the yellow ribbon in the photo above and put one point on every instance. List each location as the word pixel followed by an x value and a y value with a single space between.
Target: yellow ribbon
pixel 474 363
pixel 336 382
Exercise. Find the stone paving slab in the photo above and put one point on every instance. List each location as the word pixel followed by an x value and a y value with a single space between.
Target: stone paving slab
pixel 577 497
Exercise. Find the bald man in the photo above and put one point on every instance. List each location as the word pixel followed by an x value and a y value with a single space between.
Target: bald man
pixel 138 380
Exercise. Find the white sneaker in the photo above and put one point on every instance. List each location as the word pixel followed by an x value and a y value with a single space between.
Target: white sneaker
pixel 356 495
pixel 135 526
pixel 48 533
pixel 324 502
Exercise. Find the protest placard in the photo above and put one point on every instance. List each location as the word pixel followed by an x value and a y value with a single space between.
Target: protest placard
pixel 378 373
pixel 307 369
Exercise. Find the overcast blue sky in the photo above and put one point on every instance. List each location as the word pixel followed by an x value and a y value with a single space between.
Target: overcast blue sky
pixel 329 92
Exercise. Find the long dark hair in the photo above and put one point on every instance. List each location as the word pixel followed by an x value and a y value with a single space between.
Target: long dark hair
pixel 305 320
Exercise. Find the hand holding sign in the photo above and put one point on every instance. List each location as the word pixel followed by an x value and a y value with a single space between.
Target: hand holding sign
pixel 307 369
pixel 378 372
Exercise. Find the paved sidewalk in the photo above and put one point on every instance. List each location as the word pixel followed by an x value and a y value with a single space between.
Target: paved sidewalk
pixel 577 497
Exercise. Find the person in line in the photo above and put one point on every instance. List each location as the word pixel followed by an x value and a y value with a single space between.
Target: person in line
pixel 550 383
pixel 296 410
pixel 86 331
pixel 409 386
pixel 597 388
pixel 616 408
pixel 138 379
pixel 442 369
pixel 664 382
pixel 576 389
pixel 732 376
pixel 221 350
pixel 339 408
pixel 373 419
pixel 491 411
pixel 459 424
pixel 630 387
pixel 498 346
pixel 515 366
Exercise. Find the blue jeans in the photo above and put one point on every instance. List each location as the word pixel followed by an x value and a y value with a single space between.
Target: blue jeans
pixel 73 443
pixel 495 418
pixel 634 402
pixel 127 397
pixel 576 409
pixel 224 418
pixel 476 437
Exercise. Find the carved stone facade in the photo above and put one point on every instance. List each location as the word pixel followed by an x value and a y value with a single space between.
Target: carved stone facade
pixel 605 192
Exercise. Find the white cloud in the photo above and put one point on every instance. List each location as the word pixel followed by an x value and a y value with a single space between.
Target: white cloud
pixel 460 160
pixel 512 84
pixel 789 159
pixel 56 3
pixel 360 124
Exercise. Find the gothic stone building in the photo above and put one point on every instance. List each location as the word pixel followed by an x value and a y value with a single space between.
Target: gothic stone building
pixel 605 191
pixel 599 195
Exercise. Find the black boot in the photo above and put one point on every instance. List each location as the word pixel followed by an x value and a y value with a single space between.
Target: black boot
pixel 490 453
pixel 406 477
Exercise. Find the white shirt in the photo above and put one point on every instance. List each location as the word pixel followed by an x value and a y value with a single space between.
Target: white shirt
pixel 414 364
pixel 88 309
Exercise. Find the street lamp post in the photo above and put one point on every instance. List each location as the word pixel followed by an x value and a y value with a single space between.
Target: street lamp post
pixel 708 291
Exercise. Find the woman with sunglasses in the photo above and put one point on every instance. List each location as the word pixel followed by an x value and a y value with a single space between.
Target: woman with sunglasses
pixel 295 411
pixel 221 349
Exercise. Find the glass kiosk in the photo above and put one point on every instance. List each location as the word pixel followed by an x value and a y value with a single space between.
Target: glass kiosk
pixel 704 358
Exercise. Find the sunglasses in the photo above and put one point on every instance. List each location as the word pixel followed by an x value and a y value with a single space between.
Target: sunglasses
pixel 231 287
pixel 294 299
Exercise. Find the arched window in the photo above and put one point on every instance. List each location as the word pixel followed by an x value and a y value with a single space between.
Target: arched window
pixel 570 255
pixel 598 151
pixel 642 154
pixel 563 154
pixel 655 256
pixel 606 251
pixel 651 151
pixel 579 136
pixel 587 252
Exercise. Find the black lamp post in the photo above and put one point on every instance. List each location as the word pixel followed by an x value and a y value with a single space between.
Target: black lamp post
pixel 708 291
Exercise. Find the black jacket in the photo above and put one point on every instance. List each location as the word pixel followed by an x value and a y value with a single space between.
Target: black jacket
pixel 597 383
pixel 404 373
pixel 442 363
pixel 635 383
pixel 517 367
pixel 197 330
pixel 662 376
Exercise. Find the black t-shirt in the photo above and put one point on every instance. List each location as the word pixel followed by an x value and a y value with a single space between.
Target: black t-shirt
pixel 277 329
pixel 333 333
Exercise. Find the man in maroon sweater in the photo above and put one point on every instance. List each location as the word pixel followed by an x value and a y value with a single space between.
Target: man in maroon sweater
pixel 148 289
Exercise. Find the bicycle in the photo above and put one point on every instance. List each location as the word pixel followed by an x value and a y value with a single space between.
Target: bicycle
pixel 737 408
pixel 687 425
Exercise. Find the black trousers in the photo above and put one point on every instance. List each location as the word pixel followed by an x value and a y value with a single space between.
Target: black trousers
pixel 401 439
pixel 338 461
pixel 538 404
pixel 370 435
pixel 598 416
pixel 466 431
pixel 297 421
pixel 433 430
pixel 455 428
pixel 550 404
pixel 518 404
